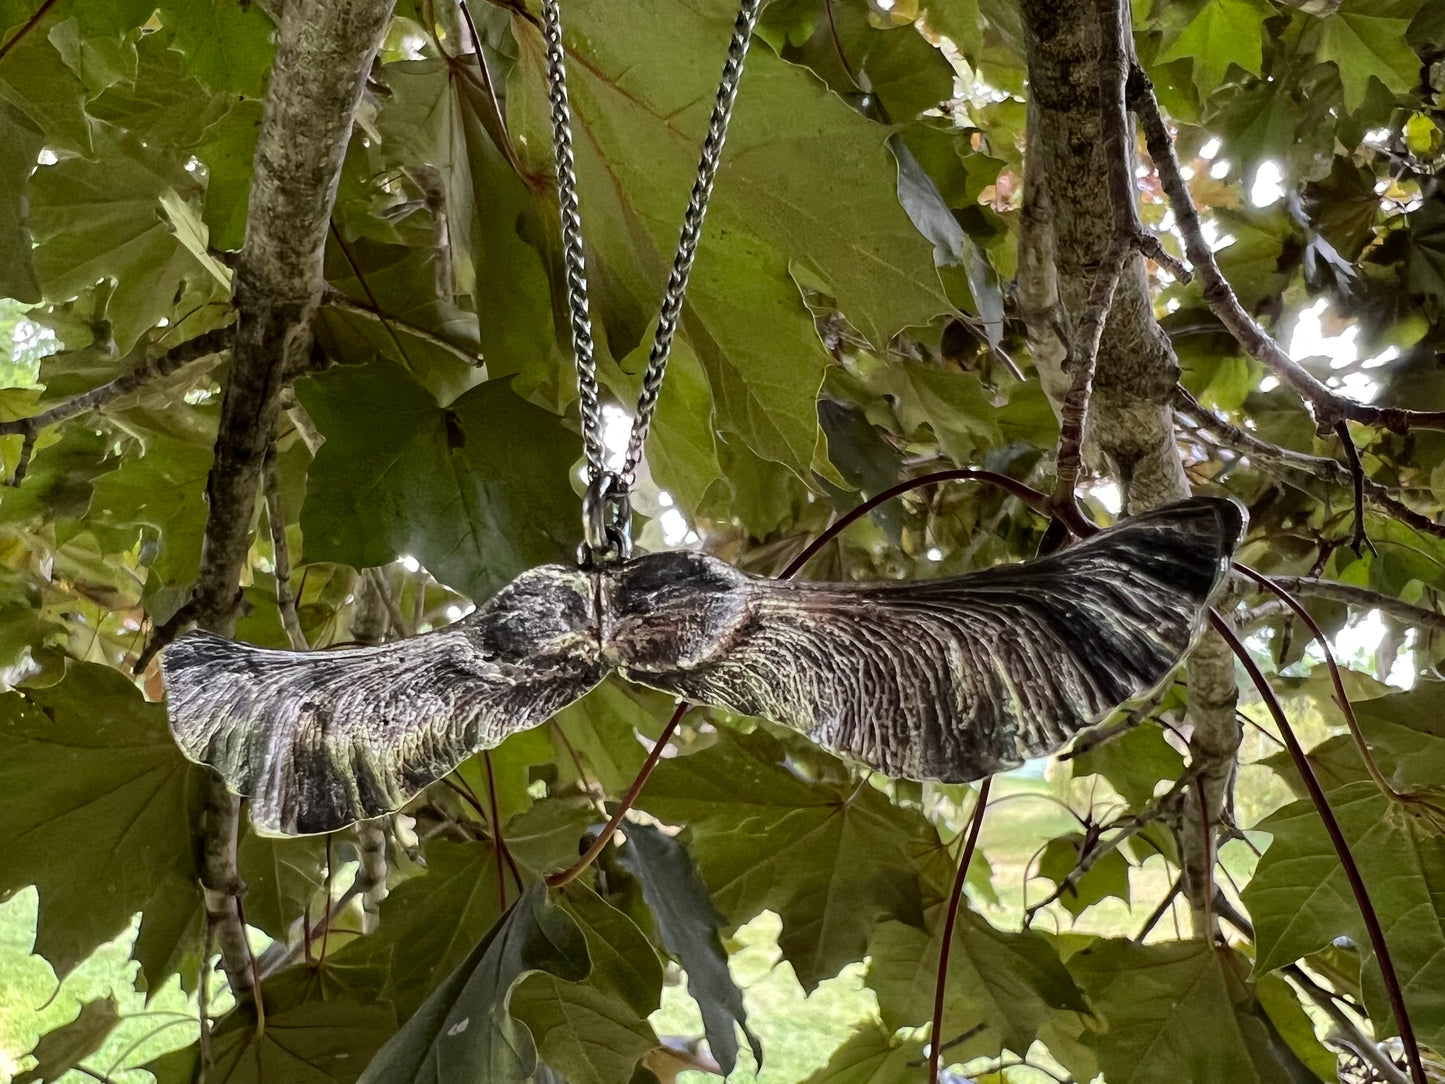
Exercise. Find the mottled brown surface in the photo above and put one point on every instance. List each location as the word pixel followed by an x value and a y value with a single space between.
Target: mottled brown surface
pixel 939 679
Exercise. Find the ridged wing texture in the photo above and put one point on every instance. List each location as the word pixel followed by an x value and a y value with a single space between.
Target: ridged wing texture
pixel 949 679
pixel 319 739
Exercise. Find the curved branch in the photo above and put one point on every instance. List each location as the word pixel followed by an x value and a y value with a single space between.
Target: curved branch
pixel 941 982
pixel 335 299
pixel 1367 910
pixel 1328 406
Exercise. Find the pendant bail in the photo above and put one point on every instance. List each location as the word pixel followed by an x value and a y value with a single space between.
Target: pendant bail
pixel 606 521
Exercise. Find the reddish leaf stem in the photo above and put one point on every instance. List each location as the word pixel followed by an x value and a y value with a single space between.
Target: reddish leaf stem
pixel 30 24
pixel 502 851
pixel 1342 849
pixel 557 880
pixel 935 1044
pixel 1039 502
pixel 1336 679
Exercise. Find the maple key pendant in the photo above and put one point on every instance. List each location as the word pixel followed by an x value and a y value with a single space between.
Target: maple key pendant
pixel 948 679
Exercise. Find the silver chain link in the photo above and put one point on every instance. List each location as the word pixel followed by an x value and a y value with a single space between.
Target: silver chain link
pixel 573 257
pixel 712 145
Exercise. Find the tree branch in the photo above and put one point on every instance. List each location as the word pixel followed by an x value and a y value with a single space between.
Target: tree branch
pixel 1351 1034
pixel 324 50
pixel 1328 406
pixel 1323 468
pixel 1078 56
pixel 1129 237
pixel 281 558
pixel 155 364
pixel 1363 597
pixel 1167 804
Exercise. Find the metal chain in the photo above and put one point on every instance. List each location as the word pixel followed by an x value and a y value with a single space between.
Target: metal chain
pixel 717 129
pixel 605 486
pixel 572 255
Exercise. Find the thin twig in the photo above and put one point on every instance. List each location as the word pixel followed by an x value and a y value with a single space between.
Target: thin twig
pixel 501 844
pixel 1365 1048
pixel 598 845
pixel 1342 699
pixel 468 797
pixel 281 956
pixel 386 321
pixel 1089 856
pixel 1159 911
pixel 382 586
pixel 258 1000
pixel 1328 406
pixel 154 364
pixel 1367 910
pixel 30 25
pixel 1326 470
pixel 22 464
pixel 838 46
pixel 941 981
pixel 1362 597
pixel 281 555
pixel 335 299
pixel 507 147
pixel 203 1002
pixel 1357 485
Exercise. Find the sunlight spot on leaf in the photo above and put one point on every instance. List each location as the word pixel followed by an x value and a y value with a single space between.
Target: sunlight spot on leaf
pixel 1390 353
pixel 1266 188
pixel 1210 148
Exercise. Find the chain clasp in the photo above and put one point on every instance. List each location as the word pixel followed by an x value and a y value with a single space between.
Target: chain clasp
pixel 606 521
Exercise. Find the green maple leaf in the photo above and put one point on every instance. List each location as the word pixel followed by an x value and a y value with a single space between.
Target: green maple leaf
pixel 806 180
pixel 831 859
pixel 1300 901
pixel 477 491
pixel 1364 47
pixel 1007 983
pixel 1224 32
pixel 226 43
pixel 94 808
pixel 1174 1011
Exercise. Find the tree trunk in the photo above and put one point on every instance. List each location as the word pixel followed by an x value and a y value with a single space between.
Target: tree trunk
pixel 1131 431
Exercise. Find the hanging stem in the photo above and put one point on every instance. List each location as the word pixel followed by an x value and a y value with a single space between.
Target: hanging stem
pixel 568 875
pixel 1341 698
pixel 503 853
pixel 1039 502
pixel 1391 980
pixel 935 1046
